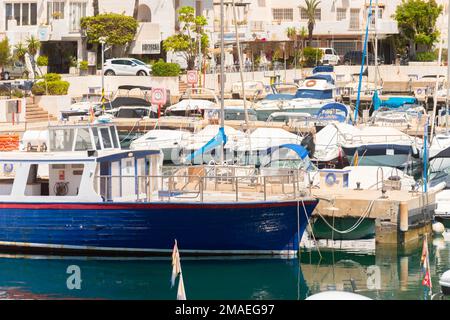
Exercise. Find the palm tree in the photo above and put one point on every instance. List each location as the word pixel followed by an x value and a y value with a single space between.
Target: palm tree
pixel 311 8
pixel 136 9
pixel 20 51
pixel 33 46
pixel 291 33
pixel 95 6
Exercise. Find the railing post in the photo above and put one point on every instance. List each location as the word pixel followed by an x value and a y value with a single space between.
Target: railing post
pixel 293 182
pixel 237 188
pixel 265 188
pixel 201 188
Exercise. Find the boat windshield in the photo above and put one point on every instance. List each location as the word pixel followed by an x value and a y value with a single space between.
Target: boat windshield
pixel 314 94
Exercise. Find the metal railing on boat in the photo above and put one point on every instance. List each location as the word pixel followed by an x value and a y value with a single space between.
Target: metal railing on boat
pixel 200 185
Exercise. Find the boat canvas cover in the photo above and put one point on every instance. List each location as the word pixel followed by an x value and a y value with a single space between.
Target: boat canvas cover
pixel 190 105
pixel 392 102
pixel 219 140
pixel 319 69
pixel 323 115
pixel 314 94
pixel 327 77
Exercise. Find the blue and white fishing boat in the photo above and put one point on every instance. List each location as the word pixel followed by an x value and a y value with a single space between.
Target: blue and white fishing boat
pixel 86 195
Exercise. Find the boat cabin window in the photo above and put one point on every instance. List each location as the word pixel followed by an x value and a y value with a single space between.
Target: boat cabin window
pixel 106 138
pixel 62 139
pixel 83 141
pixel 114 137
pixel 7 175
pixel 96 139
pixel 54 179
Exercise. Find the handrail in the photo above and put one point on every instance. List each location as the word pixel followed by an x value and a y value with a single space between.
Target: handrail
pixel 166 186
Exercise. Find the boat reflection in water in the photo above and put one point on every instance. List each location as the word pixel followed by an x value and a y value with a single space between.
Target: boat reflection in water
pixel 384 273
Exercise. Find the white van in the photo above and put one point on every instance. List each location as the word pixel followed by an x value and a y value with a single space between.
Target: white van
pixel 330 56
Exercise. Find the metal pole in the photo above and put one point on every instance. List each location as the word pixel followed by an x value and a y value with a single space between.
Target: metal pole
pixel 222 74
pixel 103 75
pixel 448 67
pixel 376 45
pixel 241 65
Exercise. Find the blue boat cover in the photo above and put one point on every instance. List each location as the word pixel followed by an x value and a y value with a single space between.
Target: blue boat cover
pixel 326 77
pixel 279 96
pixel 314 94
pixel 219 139
pixel 322 115
pixel 298 149
pixel 392 102
pixel 323 69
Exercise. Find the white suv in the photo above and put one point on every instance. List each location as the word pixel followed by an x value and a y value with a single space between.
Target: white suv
pixel 330 56
pixel 126 67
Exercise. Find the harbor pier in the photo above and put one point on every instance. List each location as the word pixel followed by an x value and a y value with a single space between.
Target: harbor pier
pixel 400 218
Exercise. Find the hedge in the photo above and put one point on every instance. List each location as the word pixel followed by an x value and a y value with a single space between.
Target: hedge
pixel 55 88
pixel 426 56
pixel 165 69
pixel 311 56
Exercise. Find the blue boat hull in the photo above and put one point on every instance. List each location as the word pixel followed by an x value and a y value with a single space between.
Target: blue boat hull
pixel 151 228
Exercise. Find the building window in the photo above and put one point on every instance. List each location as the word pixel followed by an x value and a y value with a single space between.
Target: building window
pixel 304 14
pixel 341 14
pixel 25 13
pixel 283 14
pixel 55 10
pixel 77 11
pixel 261 3
pixel 354 19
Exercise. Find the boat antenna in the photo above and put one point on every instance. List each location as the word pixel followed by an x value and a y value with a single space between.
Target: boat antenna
pixel 238 43
pixel 358 100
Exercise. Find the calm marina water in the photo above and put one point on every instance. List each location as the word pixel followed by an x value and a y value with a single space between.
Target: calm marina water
pixel 381 274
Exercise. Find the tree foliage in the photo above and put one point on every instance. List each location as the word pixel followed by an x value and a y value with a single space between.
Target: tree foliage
pixel 186 41
pixel 310 8
pixel 117 29
pixel 5 52
pixel 417 21
pixel 164 69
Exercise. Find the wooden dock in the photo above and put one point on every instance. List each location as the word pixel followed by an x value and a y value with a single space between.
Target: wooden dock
pixel 400 217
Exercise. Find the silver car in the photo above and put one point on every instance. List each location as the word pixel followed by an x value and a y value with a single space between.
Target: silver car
pixel 126 67
pixel 15 70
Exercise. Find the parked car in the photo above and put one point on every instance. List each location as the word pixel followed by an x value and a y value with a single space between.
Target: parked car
pixel 355 58
pixel 126 67
pixel 15 70
pixel 329 56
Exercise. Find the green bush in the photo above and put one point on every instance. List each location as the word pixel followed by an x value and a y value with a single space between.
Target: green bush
pixel 42 61
pixel 83 65
pixel 52 77
pixel 55 88
pixel 164 69
pixel 17 93
pixel 311 56
pixel 426 56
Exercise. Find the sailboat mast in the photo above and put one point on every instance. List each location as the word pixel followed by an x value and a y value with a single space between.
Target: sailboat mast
pixel 222 76
pixel 358 99
pixel 448 67
pixel 241 65
pixel 376 45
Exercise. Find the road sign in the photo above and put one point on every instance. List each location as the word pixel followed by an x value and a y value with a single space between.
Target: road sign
pixel 159 96
pixel 192 77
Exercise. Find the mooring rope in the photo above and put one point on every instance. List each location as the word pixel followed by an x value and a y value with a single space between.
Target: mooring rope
pixel 356 225
pixel 309 223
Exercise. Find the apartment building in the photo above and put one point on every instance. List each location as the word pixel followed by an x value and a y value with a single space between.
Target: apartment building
pixel 339 23
pixel 56 23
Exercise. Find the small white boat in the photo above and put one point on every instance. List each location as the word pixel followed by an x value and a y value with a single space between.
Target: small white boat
pixel 168 141
pixel 337 295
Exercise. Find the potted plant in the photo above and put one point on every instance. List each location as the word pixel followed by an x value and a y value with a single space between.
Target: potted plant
pixel 42 62
pixel 83 66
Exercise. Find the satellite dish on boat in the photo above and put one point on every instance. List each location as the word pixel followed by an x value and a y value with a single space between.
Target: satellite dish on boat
pixel 337 295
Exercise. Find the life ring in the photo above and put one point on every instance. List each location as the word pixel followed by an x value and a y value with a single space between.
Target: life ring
pixel 310 83
pixel 8 167
pixel 330 179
